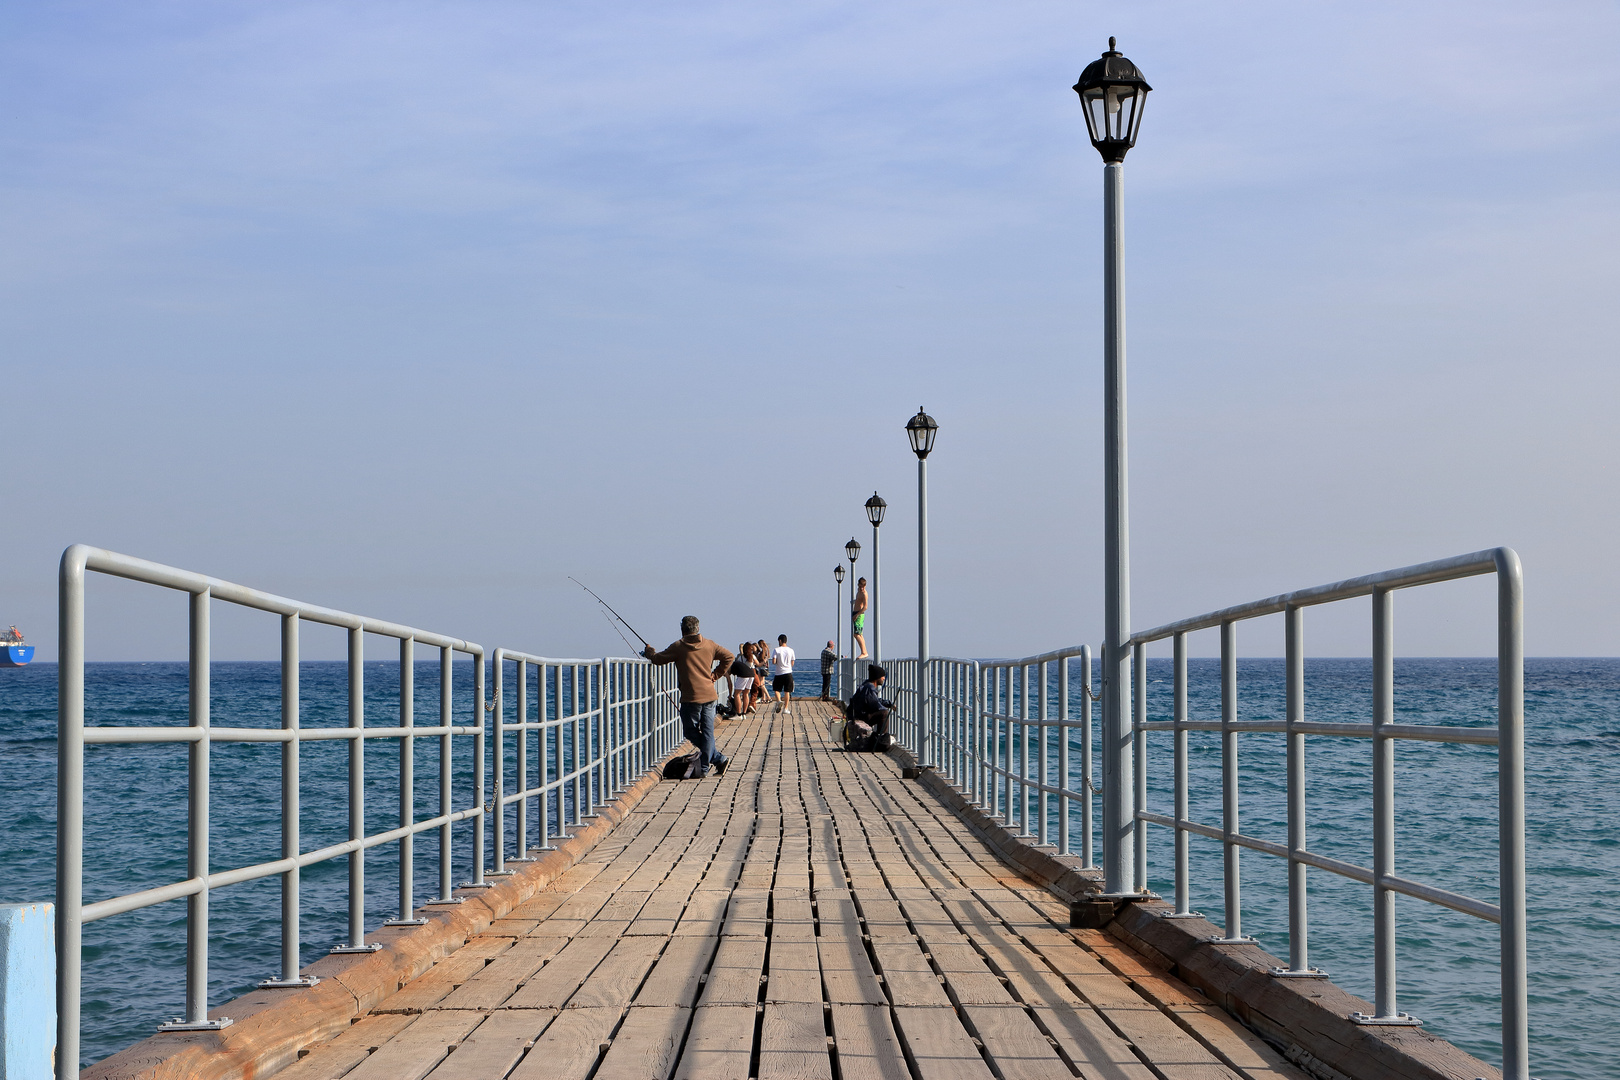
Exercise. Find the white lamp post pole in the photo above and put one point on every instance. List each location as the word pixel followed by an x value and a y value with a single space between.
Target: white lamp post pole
pixel 921 429
pixel 1112 91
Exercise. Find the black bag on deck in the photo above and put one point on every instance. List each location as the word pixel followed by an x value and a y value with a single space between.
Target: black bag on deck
pixel 681 767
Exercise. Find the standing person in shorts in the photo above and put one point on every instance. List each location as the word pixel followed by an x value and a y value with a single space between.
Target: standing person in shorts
pixel 829 659
pixel 858 606
pixel 782 674
pixel 742 681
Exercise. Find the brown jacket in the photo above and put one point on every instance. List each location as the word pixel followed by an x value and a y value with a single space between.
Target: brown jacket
pixel 697 662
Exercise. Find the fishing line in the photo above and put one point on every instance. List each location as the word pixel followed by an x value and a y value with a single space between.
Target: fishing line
pixel 616 630
pixel 605 604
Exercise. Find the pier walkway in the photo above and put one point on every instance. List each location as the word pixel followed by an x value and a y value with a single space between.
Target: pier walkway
pixel 808 914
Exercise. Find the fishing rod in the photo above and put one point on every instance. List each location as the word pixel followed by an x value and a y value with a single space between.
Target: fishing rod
pixel 605 604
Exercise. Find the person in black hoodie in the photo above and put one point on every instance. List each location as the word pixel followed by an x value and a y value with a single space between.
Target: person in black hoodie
pixel 867 726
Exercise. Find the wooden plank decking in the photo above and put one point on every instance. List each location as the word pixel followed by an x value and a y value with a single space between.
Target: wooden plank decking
pixel 809 914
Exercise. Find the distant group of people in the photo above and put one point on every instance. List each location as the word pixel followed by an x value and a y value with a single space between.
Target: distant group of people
pixel 748 676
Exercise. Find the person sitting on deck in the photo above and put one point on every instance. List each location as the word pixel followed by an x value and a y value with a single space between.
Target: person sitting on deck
pixel 699 664
pixel 866 726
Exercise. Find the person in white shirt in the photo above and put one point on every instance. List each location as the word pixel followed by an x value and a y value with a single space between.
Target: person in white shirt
pixel 782 674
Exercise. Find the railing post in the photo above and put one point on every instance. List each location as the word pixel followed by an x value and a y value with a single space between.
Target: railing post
pixel 617 673
pixel 1299 926
pixel 1004 740
pixel 1065 739
pixel 1025 761
pixel 548 734
pixel 1183 838
pixel 1383 606
pixel 447 718
pixel 498 764
pixel 1139 754
pixel 480 721
pixel 981 737
pixel 1044 757
pixel 407 786
pixel 196 1016
pixel 1087 855
pixel 290 842
pixel 522 764
pixel 197 847
pixel 1230 822
pixel 1510 813
pixel 69 807
pixel 357 791
pixel 573 757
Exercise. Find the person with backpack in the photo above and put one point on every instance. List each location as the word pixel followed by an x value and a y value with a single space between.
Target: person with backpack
pixel 699 665
pixel 867 721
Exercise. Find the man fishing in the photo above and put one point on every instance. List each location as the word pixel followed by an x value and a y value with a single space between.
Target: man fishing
pixel 699 664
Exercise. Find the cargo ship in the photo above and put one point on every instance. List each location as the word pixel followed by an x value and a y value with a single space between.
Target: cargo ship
pixel 13 653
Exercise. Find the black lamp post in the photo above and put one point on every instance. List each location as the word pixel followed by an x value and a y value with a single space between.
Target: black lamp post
pixel 921 429
pixel 838 611
pixel 875 508
pixel 1113 92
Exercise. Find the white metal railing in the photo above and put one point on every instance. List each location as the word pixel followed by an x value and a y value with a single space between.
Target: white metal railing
pixel 1507 736
pixel 200 734
pixel 973 720
pixel 1001 731
pixel 599 724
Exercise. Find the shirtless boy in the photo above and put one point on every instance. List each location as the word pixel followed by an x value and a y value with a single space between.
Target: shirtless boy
pixel 860 617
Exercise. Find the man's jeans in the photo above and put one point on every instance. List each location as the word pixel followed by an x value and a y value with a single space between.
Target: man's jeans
pixel 697 724
pixel 826 683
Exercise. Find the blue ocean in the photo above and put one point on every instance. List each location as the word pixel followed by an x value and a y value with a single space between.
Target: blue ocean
pixel 1446 822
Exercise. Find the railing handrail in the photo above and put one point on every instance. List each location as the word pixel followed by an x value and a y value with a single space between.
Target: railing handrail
pixel 1426 573
pixel 1068 653
pixel 81 557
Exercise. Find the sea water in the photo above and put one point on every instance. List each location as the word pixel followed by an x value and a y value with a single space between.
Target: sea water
pixel 135 830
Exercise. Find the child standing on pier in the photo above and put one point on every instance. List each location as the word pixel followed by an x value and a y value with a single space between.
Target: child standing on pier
pixel 858 606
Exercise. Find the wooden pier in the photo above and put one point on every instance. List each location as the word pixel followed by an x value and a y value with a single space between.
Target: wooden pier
pixel 808 914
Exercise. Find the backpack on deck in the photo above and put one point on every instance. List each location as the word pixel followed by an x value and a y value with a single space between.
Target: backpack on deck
pixel 682 767
pixel 855 742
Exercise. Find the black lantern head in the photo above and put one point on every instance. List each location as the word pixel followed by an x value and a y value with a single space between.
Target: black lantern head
pixel 852 550
pixel 874 510
pixel 1113 93
pixel 838 573
pixel 921 429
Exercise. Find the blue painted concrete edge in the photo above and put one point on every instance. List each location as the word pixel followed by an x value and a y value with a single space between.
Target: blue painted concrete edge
pixel 27 991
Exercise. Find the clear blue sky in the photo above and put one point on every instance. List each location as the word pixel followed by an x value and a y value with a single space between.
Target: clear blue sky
pixel 415 309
